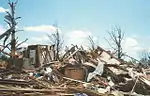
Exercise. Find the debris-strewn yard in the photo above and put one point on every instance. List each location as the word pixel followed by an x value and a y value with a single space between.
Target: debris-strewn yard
pixel 42 70
pixel 78 73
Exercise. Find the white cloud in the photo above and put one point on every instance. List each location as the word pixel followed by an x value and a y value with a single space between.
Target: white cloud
pixel 79 37
pixel 42 28
pixel 24 45
pixel 145 50
pixel 148 50
pixel 78 34
pixel 41 38
pixel 132 47
pixel 2 29
pixel 131 42
pixel 2 10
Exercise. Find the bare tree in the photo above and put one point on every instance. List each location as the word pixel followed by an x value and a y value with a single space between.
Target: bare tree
pixel 116 38
pixel 11 20
pixel 92 43
pixel 57 41
pixel 145 59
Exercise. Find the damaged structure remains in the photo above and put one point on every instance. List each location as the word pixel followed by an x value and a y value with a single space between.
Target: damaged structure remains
pixel 78 72
pixel 37 70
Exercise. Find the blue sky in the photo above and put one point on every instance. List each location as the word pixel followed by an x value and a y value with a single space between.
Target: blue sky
pixel 79 18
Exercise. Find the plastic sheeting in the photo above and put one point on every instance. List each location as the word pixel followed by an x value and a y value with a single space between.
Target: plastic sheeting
pixel 98 71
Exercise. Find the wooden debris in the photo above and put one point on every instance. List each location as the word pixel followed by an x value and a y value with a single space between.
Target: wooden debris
pixel 69 75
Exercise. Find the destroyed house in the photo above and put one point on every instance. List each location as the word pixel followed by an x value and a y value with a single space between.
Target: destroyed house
pixel 35 56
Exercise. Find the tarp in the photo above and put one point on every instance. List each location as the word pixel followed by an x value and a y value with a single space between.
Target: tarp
pixel 98 71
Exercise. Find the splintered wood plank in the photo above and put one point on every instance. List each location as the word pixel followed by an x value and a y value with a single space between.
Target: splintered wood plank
pixel 32 90
pixel 86 91
pixel 65 94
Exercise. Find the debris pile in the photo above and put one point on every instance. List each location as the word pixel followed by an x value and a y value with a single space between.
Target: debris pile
pixel 78 73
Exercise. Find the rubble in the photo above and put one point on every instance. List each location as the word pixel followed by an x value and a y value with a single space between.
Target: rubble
pixel 78 73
